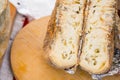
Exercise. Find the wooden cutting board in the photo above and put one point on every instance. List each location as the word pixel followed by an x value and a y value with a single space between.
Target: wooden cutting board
pixel 28 58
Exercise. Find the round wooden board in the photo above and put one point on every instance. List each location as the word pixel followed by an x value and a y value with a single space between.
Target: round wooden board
pixel 28 58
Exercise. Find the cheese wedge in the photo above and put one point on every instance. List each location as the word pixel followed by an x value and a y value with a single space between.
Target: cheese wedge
pixel 64 33
pixel 98 46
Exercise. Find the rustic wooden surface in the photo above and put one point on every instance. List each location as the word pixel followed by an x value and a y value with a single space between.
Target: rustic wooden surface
pixel 28 58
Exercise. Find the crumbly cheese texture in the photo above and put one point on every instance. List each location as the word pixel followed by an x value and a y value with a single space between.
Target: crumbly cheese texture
pixel 117 32
pixel 69 22
pixel 115 68
pixel 98 46
pixel 4 27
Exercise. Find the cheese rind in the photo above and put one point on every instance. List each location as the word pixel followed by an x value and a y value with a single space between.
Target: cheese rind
pixel 5 27
pixel 117 32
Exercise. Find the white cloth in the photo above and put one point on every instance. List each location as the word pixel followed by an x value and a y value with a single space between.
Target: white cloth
pixel 34 8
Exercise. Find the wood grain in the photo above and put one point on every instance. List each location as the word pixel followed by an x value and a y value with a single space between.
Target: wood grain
pixel 28 58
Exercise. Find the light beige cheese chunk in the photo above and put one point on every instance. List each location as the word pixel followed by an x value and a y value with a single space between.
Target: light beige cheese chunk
pixel 62 39
pixel 98 46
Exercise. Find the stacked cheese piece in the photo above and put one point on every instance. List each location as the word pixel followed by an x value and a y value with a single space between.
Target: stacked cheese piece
pixel 81 32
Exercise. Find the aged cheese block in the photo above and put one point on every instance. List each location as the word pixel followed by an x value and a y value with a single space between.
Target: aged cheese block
pixel 98 43
pixel 5 25
pixel 64 33
pixel 28 58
